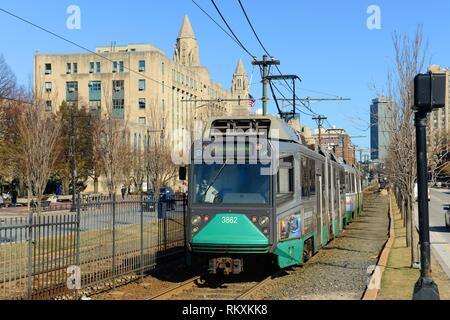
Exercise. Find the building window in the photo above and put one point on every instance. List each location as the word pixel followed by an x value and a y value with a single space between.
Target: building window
pixel 114 69
pixel 118 104
pixel 94 105
pixel 48 105
pixel 91 67
pixel 162 68
pixel 95 86
pixel 72 86
pixel 141 65
pixel 121 66
pixel 98 67
pixel 118 85
pixel 68 68
pixel 75 68
pixel 142 120
pixel 48 68
pixel 141 85
pixel 48 87
pixel 142 103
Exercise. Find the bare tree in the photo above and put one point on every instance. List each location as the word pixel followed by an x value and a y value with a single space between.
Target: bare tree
pixel 438 152
pixel 410 53
pixel 111 142
pixel 159 163
pixel 35 148
pixel 8 84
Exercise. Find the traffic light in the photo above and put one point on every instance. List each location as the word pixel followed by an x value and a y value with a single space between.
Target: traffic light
pixel 429 91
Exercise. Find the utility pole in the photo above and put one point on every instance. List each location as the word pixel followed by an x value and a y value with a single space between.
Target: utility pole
pixel 265 63
pixel 320 120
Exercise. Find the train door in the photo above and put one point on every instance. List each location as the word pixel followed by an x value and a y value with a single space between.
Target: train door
pixel 332 211
pixel 325 209
pixel 341 191
pixel 320 204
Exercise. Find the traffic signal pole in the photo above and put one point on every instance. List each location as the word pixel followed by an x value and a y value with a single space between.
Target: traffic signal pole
pixel 429 94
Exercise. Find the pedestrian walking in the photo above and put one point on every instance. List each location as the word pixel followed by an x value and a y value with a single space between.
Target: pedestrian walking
pixel 123 190
pixel 14 198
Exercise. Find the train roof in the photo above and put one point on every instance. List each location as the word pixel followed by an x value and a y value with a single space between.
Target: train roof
pixel 277 129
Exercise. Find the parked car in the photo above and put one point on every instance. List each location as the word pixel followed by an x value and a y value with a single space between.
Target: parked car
pixel 166 194
pixel 447 215
pixel 6 196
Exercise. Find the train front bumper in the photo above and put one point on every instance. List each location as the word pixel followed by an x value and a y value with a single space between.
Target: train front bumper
pixel 230 233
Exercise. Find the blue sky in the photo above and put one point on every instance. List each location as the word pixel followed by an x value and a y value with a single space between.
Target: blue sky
pixel 325 42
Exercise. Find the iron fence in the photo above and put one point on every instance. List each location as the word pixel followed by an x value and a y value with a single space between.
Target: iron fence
pixel 55 253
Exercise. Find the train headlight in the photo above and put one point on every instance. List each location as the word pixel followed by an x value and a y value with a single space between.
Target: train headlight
pixel 264 221
pixel 196 220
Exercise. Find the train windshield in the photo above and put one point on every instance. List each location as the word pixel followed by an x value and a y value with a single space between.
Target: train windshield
pixel 231 184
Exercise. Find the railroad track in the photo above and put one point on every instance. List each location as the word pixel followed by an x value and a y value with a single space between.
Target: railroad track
pixel 215 288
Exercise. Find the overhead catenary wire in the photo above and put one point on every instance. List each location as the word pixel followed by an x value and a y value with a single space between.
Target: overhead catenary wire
pixel 253 29
pixel 231 30
pixel 222 28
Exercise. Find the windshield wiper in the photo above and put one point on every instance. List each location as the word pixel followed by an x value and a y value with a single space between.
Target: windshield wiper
pixel 215 178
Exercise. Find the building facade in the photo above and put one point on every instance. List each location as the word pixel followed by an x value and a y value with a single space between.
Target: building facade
pixel 133 81
pixel 438 122
pixel 381 116
pixel 337 141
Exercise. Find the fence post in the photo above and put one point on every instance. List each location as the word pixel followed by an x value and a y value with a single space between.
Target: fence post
pixel 143 203
pixel 165 227
pixel 184 226
pixel 78 230
pixel 113 238
pixel 30 255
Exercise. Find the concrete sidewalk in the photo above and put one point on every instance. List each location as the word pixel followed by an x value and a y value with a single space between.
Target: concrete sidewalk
pixel 399 278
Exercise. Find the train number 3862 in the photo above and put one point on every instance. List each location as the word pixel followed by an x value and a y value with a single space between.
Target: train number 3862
pixel 229 220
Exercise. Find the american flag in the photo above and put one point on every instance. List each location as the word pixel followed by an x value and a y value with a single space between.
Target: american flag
pixel 251 102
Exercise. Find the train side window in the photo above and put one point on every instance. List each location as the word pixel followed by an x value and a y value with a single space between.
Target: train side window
pixel 347 185
pixel 353 183
pixel 305 178
pixel 312 177
pixel 285 180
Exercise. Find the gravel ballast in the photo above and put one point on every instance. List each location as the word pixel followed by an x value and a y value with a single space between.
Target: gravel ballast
pixel 338 271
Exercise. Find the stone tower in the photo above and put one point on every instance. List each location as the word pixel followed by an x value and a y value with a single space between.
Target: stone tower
pixel 186 48
pixel 240 85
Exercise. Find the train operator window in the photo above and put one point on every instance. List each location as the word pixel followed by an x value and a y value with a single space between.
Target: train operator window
pixel 231 184
pixel 285 180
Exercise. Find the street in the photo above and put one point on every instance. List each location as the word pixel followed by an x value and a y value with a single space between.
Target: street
pixel 439 235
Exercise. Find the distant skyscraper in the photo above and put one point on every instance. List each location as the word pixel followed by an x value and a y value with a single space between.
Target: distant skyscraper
pixel 439 123
pixel 381 113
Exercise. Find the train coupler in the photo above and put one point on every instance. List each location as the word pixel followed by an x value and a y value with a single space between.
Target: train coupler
pixel 226 265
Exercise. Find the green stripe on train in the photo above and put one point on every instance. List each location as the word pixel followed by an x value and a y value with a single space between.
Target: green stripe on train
pixel 230 229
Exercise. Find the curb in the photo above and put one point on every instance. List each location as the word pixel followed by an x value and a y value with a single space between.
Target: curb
pixel 373 288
